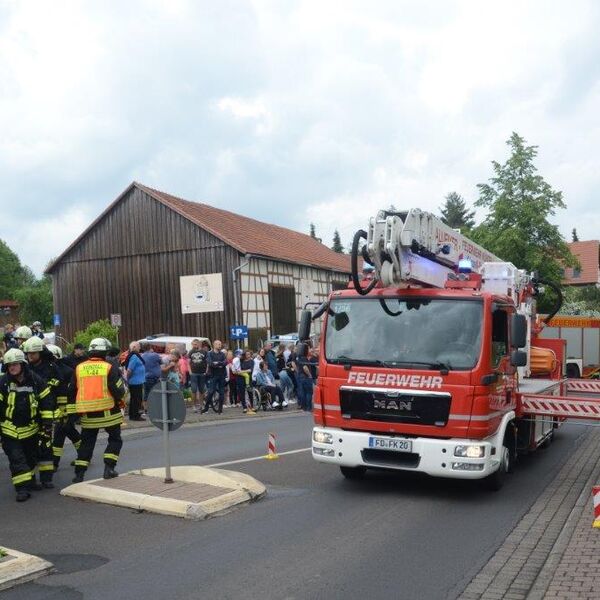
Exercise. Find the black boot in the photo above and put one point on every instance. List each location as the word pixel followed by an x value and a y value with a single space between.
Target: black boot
pixel 109 472
pixel 47 485
pixel 78 477
pixel 23 495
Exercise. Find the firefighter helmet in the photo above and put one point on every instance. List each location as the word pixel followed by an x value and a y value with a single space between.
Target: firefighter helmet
pixel 36 324
pixel 33 344
pixel 56 351
pixel 23 333
pixel 14 355
pixel 99 345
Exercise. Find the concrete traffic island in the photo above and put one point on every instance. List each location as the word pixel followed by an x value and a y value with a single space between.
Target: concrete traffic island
pixel 17 567
pixel 196 492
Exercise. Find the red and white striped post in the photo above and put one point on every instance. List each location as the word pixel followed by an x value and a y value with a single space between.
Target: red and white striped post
pixel 596 498
pixel 271 448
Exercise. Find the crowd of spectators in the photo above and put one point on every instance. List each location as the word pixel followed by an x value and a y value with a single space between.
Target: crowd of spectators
pixel 218 377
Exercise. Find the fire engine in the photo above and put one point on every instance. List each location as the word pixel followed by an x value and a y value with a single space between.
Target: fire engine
pixel 433 362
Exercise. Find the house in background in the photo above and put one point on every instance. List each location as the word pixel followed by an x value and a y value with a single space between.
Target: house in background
pixel 9 313
pixel 588 254
pixel 168 265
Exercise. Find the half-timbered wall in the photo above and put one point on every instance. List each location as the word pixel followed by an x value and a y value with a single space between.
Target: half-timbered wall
pixel 310 284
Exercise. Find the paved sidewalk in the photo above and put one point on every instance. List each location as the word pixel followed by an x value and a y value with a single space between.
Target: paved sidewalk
pixel 553 552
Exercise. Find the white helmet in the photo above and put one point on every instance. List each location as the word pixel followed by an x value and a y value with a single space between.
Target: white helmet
pixel 99 345
pixel 33 344
pixel 56 351
pixel 14 355
pixel 22 333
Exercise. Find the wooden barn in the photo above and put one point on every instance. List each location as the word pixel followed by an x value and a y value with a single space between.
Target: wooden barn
pixel 168 265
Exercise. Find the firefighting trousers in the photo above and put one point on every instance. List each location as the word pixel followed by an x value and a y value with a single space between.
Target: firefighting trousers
pixel 45 458
pixel 88 442
pixel 22 457
pixel 64 429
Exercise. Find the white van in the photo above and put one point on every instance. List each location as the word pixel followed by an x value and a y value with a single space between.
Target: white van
pixel 163 344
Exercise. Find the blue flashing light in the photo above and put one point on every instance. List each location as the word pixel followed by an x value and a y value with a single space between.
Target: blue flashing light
pixel 465 265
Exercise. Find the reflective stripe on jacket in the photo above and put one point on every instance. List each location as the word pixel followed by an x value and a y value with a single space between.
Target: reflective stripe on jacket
pixel 93 394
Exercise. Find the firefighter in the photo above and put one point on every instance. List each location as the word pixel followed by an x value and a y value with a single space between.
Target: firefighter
pixel 22 334
pixel 63 427
pixel 97 390
pixel 41 363
pixel 25 406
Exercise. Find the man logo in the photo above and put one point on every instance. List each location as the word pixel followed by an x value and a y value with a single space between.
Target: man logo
pixel 392 404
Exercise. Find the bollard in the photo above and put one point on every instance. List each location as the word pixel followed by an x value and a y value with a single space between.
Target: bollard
pixel 271 449
pixel 596 498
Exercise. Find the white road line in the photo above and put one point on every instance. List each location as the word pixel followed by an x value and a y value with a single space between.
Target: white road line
pixel 244 460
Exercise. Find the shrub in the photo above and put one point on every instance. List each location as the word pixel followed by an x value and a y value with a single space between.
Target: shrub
pixel 97 329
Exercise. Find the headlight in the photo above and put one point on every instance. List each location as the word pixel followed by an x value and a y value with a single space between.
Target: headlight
pixel 458 466
pixel 322 437
pixel 324 451
pixel 470 451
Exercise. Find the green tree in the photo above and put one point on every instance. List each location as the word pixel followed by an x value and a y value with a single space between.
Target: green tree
pixel 516 227
pixel 35 302
pixel 574 236
pixel 313 233
pixel 97 329
pixel 11 272
pixel 584 301
pixel 455 212
pixel 337 243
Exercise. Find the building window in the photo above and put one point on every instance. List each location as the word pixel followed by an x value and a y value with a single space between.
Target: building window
pixel 576 273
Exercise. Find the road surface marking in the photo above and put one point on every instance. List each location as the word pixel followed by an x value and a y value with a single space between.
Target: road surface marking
pixel 262 457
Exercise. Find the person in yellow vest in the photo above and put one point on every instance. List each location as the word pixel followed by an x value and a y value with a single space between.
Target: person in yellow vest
pixel 26 406
pixel 98 391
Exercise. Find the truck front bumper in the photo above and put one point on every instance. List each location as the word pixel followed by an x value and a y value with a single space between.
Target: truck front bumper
pixel 456 458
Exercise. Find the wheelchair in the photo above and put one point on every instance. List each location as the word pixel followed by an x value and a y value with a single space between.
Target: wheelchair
pixel 262 399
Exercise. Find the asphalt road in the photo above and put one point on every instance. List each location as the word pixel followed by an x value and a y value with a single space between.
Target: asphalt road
pixel 316 535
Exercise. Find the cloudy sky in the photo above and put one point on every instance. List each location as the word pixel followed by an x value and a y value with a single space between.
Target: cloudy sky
pixel 289 112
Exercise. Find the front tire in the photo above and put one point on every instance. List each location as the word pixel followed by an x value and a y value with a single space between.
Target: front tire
pixel 353 472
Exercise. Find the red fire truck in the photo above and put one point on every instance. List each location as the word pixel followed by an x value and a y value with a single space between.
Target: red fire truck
pixel 434 363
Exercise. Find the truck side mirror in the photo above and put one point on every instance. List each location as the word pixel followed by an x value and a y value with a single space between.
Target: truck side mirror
pixel 302 350
pixel 518 358
pixel 518 331
pixel 304 327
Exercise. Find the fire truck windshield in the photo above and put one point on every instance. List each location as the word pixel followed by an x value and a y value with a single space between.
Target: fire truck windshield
pixel 406 333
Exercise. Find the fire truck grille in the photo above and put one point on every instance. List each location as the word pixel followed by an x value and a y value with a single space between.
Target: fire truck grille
pixel 394 407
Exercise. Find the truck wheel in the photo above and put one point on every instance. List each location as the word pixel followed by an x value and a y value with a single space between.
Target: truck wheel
pixel 573 371
pixel 353 472
pixel 495 481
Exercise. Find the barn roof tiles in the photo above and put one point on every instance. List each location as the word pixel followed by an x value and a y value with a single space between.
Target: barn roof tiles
pixel 246 235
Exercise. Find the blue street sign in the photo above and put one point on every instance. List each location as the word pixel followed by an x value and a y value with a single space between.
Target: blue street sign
pixel 238 332
pixel 56 320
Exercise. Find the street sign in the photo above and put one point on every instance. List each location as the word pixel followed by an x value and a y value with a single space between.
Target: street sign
pixel 56 320
pixel 115 320
pixel 175 406
pixel 238 332
pixel 166 406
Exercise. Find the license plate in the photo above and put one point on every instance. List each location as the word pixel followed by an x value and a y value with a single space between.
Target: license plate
pixel 390 444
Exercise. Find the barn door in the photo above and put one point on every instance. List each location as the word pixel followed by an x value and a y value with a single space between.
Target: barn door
pixel 282 303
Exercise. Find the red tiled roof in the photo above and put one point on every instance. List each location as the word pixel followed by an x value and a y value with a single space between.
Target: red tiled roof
pixel 588 254
pixel 246 235
pixel 9 303
pixel 250 236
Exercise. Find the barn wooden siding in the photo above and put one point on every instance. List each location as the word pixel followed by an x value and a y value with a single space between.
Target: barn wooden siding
pixel 310 285
pixel 130 263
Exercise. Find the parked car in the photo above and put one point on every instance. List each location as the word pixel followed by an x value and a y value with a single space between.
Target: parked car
pixel 163 343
